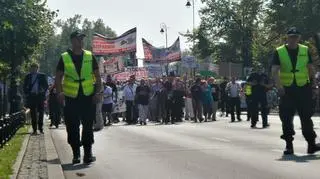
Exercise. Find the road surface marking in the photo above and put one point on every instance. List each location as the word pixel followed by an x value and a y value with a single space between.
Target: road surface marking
pixel 221 139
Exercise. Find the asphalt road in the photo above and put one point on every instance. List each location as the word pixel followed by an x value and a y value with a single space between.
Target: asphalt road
pixel 213 150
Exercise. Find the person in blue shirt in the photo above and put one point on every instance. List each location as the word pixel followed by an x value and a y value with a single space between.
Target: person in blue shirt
pixel 207 100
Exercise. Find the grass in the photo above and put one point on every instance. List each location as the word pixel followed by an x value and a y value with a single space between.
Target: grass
pixel 9 152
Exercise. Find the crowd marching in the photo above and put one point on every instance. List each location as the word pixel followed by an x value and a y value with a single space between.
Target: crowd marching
pixel 87 98
pixel 171 99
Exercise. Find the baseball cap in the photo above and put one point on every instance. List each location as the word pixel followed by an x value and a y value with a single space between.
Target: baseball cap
pixel 77 33
pixel 293 31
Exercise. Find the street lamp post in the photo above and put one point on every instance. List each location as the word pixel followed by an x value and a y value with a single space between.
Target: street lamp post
pixel 189 4
pixel 164 29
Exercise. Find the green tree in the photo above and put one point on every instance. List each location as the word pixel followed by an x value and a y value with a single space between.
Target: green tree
pixel 302 14
pixel 24 27
pixel 59 43
pixel 227 29
pixel 283 14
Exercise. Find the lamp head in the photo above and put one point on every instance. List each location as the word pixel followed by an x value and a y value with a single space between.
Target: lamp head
pixel 188 4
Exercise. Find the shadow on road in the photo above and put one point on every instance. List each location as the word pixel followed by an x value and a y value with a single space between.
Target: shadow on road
pixel 259 128
pixel 299 159
pixel 71 167
pixel 53 161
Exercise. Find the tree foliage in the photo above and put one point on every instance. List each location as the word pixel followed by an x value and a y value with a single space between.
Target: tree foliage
pixel 60 42
pixel 228 27
pixel 24 27
pixel 247 31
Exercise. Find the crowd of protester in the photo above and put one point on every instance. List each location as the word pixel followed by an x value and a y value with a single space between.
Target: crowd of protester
pixel 172 99
pixel 166 100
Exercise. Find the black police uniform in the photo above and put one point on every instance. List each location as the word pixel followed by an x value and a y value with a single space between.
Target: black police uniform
pixel 79 110
pixel 259 99
pixel 296 99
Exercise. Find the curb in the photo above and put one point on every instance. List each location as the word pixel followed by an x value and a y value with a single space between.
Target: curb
pixel 53 162
pixel 17 165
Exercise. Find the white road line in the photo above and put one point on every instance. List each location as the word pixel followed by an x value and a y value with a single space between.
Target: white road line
pixel 221 139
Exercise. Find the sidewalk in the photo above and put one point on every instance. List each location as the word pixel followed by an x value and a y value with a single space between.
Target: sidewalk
pixel 38 158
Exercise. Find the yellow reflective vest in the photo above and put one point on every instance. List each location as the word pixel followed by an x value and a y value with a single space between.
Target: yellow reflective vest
pixel 300 72
pixel 72 80
pixel 248 90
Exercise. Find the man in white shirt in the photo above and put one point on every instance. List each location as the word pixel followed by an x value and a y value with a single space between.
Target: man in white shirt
pixel 129 92
pixel 233 90
pixel 107 105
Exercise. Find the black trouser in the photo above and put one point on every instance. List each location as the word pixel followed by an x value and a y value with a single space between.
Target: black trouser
pixel 259 101
pixel 80 110
pixel 162 105
pixel 36 105
pixel 106 112
pixel 249 107
pixel 177 106
pixel 224 105
pixel 297 99
pixel 54 111
pixel 234 103
pixel 197 109
pixel 131 112
pixel 169 111
pixel 207 110
pixel 176 112
pixel 56 117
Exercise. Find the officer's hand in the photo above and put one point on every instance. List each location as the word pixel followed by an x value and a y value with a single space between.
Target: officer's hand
pixel 60 97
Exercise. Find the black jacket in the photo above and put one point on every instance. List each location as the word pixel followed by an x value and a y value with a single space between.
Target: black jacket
pixel 43 85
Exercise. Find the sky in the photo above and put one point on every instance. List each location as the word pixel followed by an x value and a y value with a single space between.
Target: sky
pixel 146 15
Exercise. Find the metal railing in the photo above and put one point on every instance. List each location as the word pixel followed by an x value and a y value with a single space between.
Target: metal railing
pixel 9 125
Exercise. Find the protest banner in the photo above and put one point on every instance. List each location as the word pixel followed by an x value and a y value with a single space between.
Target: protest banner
pixel 189 62
pixel 154 70
pixel 125 43
pixel 153 54
pixel 139 73
pixel 113 65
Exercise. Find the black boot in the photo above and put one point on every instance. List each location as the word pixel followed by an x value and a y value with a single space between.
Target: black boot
pixel 76 155
pixel 313 147
pixel 289 149
pixel 88 158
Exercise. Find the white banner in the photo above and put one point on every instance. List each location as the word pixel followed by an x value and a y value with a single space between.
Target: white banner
pixel 139 73
pixel 189 62
pixel 125 43
pixel 120 106
pixel 113 65
pixel 154 70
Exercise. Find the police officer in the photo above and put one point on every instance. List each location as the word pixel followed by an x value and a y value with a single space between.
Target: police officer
pixel 248 93
pixel 260 84
pixel 79 71
pixel 295 83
